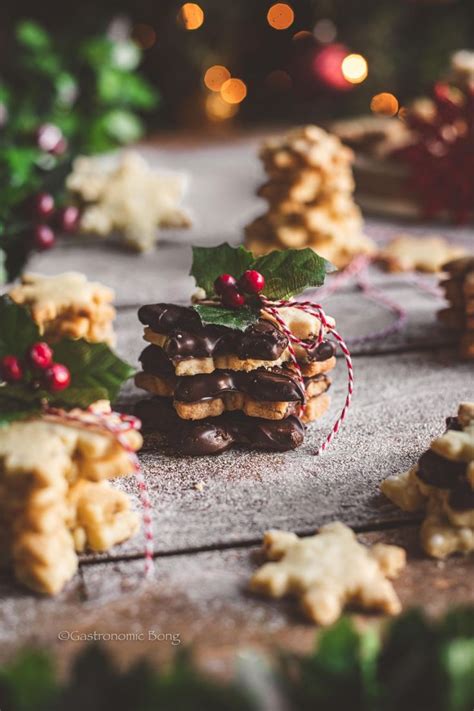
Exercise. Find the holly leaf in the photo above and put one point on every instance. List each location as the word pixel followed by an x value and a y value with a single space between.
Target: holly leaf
pixel 232 318
pixel 211 262
pixel 33 36
pixel 291 271
pixel 17 328
pixel 96 372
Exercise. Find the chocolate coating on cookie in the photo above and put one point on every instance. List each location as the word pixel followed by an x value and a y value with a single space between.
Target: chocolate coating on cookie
pixel 164 318
pixel 189 338
pixel 435 470
pixel 217 434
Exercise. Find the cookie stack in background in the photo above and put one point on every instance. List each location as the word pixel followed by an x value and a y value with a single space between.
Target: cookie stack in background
pixel 309 192
pixel 67 306
pixel 216 386
pixel 54 500
pixel 442 484
pixel 459 291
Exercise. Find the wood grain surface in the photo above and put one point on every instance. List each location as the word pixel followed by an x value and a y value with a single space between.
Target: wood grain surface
pixel 207 540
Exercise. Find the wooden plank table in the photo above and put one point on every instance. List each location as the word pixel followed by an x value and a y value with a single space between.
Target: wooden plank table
pixel 207 539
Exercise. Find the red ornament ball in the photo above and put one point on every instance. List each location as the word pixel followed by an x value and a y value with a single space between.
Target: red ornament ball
pixel 40 356
pixel 68 218
pixel 327 66
pixel 252 282
pixel 224 282
pixel 57 377
pixel 43 237
pixel 232 299
pixel 11 369
pixel 43 205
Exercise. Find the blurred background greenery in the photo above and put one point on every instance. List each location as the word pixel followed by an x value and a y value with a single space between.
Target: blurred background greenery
pixel 288 58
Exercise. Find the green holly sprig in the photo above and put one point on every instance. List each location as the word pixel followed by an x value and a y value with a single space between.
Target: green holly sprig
pixel 59 96
pixel 285 273
pixel 34 375
pixel 416 665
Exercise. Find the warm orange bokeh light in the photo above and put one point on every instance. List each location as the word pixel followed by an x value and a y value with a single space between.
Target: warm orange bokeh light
pixel 144 36
pixel 233 91
pixel 280 16
pixel 354 68
pixel 384 103
pixel 215 76
pixel 219 110
pixel 191 16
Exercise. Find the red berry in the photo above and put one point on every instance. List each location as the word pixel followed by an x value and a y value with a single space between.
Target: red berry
pixel 251 282
pixel 232 298
pixel 43 204
pixel 40 356
pixel 57 377
pixel 224 282
pixel 10 369
pixel 68 218
pixel 43 237
pixel 60 147
pixel 49 137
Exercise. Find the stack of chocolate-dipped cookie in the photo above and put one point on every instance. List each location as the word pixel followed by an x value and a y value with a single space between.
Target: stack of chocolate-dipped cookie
pixel 442 483
pixel 459 291
pixel 214 386
pixel 309 192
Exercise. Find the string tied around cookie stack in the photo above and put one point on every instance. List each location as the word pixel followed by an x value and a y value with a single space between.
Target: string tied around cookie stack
pixel 271 309
pixel 99 416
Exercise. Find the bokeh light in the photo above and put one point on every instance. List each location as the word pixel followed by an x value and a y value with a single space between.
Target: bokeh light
pixel 233 91
pixel 325 31
pixel 215 76
pixel 354 68
pixel 302 35
pixel 327 66
pixel 278 81
pixel 280 16
pixel 219 110
pixel 144 36
pixel 191 16
pixel 384 103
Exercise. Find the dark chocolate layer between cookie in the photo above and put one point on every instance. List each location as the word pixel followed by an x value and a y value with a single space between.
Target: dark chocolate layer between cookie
pixel 217 434
pixel 189 338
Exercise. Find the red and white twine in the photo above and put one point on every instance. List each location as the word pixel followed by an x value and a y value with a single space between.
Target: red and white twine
pixel 118 424
pixel 271 308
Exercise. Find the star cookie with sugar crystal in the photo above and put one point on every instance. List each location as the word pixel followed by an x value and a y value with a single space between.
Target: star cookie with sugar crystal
pixel 330 570
pixel 128 197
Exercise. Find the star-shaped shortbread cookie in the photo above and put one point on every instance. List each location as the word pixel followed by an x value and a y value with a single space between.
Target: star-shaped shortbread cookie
pixel 128 197
pixel 426 254
pixel 330 570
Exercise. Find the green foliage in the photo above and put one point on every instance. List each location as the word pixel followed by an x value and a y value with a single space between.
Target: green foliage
pixel 211 262
pixel 291 271
pixel 219 315
pixel 96 372
pixel 287 272
pixel 28 683
pixel 342 671
pixel 94 369
pixel 87 87
pixel 416 666
pixel 17 328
